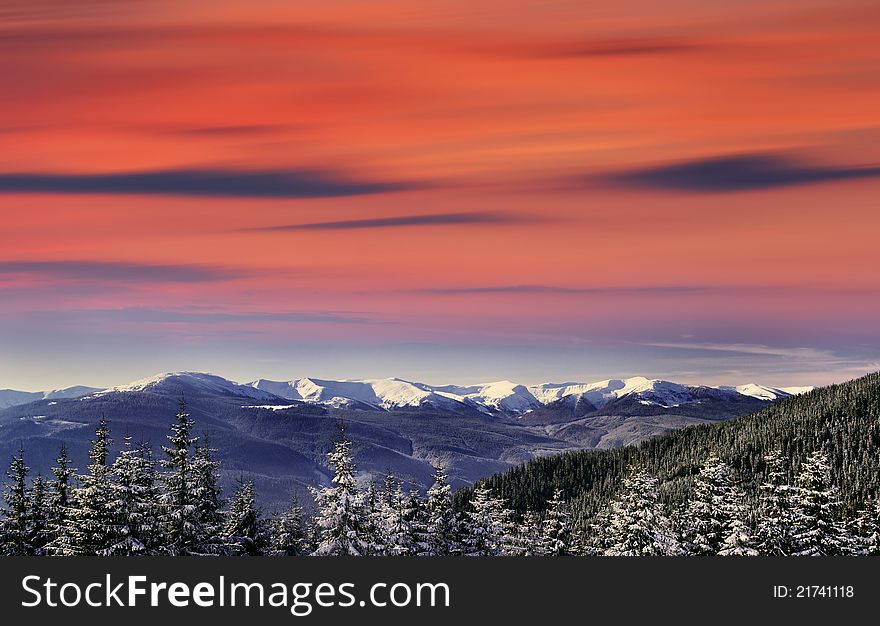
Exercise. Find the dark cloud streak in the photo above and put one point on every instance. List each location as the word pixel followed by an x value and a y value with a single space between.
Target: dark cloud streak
pixel 436 219
pixel 735 173
pixel 200 182
pixel 113 271
pixel 549 289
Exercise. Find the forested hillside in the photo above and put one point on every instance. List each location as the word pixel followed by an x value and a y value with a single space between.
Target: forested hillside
pixel 841 420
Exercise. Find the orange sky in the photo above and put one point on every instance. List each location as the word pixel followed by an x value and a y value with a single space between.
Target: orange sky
pixel 347 188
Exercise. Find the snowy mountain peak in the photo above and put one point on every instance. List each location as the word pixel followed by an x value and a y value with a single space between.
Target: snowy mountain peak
pixel 191 382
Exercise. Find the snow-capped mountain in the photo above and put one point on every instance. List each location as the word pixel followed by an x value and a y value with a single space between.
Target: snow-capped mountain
pixel 11 397
pixel 506 397
pixel 189 383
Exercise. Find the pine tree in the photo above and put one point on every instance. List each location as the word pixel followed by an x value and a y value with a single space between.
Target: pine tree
pixel 289 532
pixel 866 530
pixel 637 525
pixel 244 528
pixel 59 499
pixel 489 528
pixel 556 530
pixel 529 535
pixel 818 531
pixel 341 515
pixel 89 527
pixel 15 525
pixel 180 510
pixel 38 509
pixel 396 524
pixel 135 500
pixel 715 518
pixel 374 530
pixel 776 510
pixel 204 489
pixel 442 528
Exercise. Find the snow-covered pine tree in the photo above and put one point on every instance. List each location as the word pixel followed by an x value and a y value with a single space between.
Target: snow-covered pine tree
pixel 414 515
pixel 715 520
pixel 529 535
pixel 818 529
pixel 204 489
pixel 865 529
pixel 89 527
pixel 374 520
pixel 396 525
pixel 288 533
pixel 556 529
pixel 180 510
pixel 488 529
pixel 38 510
pixel 15 526
pixel 135 500
pixel 774 535
pixel 442 528
pixel 739 539
pixel 341 515
pixel 595 538
pixel 59 493
pixel 637 525
pixel 244 530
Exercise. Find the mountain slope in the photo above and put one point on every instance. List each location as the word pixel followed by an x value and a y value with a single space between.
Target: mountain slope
pixel 11 397
pixel 842 419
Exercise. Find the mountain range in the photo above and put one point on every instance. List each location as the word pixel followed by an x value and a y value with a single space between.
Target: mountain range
pixel 278 432
pixel 502 397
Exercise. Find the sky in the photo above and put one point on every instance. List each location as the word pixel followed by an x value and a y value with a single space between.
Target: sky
pixel 455 191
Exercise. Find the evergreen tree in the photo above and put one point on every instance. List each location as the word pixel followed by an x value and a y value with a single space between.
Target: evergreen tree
pixel 374 529
pixel 442 528
pixel 556 530
pixel 16 523
pixel 89 526
pixel 488 528
pixel 135 501
pixel 180 510
pixel 341 515
pixel 866 530
pixel 59 499
pixel 289 532
pixel 715 518
pixel 397 524
pixel 204 489
pixel 818 531
pixel 529 535
pixel 244 528
pixel 637 525
pixel 776 510
pixel 38 508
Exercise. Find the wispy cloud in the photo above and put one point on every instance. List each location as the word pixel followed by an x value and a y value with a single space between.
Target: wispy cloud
pixel 733 173
pixel 433 219
pixel 140 315
pixel 629 47
pixel 201 182
pixel 752 349
pixel 551 289
pixel 121 271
